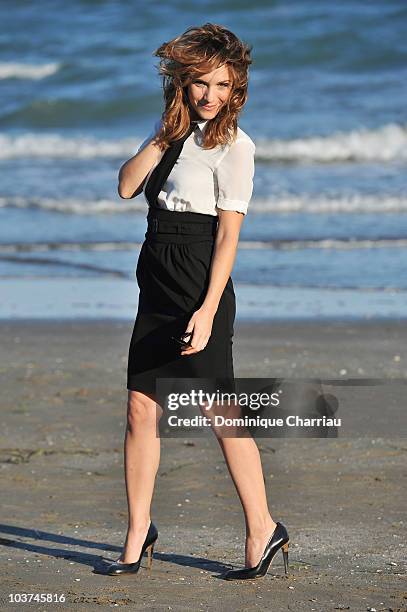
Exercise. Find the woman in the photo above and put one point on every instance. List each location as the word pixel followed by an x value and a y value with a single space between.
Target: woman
pixel 196 169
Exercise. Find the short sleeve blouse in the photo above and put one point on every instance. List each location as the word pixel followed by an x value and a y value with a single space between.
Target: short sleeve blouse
pixel 205 180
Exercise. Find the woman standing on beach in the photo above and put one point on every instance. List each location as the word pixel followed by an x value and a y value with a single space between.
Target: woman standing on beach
pixel 196 169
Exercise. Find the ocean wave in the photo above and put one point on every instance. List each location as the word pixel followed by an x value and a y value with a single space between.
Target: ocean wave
pixel 349 203
pixel 75 206
pixel 56 146
pixel 278 244
pixel 52 262
pixel 385 144
pixel 324 204
pixel 13 70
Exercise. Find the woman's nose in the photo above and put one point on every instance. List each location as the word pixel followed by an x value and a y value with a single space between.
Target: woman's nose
pixel 209 96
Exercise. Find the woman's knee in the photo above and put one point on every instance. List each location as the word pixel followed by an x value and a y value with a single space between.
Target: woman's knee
pixel 142 410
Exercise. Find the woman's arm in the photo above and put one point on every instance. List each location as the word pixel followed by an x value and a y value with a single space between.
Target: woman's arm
pixel 226 241
pixel 134 171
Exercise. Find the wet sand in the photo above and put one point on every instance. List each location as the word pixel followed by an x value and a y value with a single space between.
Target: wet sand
pixel 63 411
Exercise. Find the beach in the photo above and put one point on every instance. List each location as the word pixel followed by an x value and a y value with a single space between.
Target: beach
pixel 321 293
pixel 64 513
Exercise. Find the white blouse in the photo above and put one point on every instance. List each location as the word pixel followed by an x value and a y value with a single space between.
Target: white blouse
pixel 203 180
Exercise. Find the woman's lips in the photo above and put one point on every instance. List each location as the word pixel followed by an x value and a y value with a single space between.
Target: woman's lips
pixel 209 107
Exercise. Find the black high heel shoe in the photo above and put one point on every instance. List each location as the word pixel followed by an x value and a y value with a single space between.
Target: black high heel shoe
pixel 279 539
pixel 117 568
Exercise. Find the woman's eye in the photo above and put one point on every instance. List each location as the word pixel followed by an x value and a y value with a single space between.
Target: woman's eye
pixel 220 84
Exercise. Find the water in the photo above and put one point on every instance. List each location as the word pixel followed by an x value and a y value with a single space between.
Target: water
pixel 326 109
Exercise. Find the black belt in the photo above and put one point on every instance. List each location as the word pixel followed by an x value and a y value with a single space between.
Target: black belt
pixel 159 226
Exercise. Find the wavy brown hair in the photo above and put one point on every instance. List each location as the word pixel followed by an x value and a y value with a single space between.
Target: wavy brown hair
pixel 197 51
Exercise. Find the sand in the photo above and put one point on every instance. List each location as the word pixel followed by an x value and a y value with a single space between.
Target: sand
pixel 63 413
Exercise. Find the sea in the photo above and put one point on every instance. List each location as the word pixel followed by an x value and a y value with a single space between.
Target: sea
pixel 326 231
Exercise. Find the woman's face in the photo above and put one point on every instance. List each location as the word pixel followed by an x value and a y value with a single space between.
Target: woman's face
pixel 209 90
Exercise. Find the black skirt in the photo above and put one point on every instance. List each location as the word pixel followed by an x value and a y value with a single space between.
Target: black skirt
pixel 173 277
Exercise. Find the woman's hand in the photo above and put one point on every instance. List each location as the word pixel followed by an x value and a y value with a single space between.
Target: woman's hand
pixel 201 325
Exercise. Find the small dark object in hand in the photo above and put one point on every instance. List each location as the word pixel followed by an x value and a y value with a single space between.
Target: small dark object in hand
pixel 182 340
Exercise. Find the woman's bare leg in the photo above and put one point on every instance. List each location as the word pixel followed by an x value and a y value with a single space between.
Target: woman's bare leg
pixel 141 461
pixel 244 464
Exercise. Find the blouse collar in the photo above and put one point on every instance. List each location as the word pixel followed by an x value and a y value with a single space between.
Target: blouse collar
pixel 201 123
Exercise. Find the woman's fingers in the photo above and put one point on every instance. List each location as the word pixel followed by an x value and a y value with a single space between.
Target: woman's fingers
pixel 196 345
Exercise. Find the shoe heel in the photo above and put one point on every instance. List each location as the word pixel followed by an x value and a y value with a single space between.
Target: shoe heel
pixel 284 548
pixel 150 551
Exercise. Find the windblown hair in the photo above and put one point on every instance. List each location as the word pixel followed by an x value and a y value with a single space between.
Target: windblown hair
pixel 187 57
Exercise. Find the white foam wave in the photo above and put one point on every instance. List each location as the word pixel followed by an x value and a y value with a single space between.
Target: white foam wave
pixel 352 203
pixel 27 71
pixel 333 244
pixel 288 245
pixel 387 143
pixel 56 146
pixel 75 206
pixel 349 203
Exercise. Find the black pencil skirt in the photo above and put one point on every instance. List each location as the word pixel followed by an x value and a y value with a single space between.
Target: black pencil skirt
pixel 173 277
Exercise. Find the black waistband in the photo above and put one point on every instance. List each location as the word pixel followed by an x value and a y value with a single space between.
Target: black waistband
pixel 162 221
